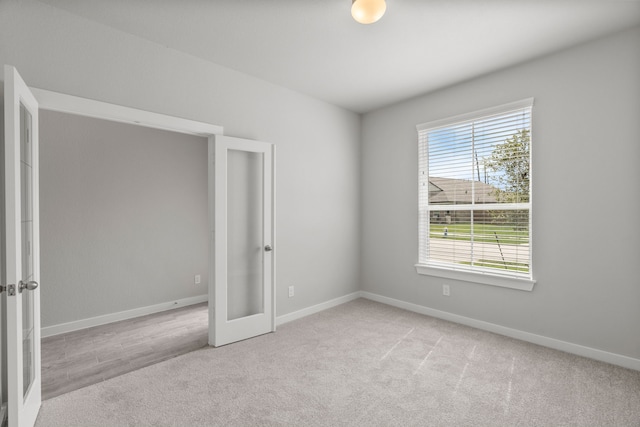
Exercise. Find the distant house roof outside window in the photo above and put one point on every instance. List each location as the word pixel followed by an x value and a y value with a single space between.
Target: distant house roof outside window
pixel 459 191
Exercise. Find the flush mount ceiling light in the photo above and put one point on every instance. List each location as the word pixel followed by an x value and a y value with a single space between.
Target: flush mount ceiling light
pixel 368 11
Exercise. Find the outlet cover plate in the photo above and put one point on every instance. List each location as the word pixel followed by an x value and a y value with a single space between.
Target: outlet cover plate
pixel 446 291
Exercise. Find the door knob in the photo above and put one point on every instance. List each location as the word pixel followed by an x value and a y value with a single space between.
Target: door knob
pixel 30 285
pixel 268 248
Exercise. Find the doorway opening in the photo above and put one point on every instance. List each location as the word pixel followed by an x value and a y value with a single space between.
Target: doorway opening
pixel 124 232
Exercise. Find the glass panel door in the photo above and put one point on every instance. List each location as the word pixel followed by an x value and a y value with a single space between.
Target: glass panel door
pixel 245 233
pixel 242 233
pixel 21 260
pixel 26 192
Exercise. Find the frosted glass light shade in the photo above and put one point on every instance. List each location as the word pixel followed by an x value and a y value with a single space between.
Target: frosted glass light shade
pixel 368 11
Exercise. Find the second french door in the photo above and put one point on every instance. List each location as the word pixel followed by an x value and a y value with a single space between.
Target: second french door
pixel 22 255
pixel 242 211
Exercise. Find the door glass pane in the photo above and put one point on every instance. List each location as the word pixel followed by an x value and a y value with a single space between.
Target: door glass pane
pixel 26 194
pixel 245 249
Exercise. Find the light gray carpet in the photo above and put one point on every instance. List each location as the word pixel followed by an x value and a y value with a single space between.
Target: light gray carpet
pixel 362 364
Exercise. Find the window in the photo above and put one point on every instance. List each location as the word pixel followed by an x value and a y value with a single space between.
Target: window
pixel 474 196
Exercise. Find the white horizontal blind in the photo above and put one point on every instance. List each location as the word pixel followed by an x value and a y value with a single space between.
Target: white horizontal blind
pixel 475 192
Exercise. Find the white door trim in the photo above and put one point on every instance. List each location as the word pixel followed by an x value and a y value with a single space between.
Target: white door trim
pixel 55 101
pixel 64 103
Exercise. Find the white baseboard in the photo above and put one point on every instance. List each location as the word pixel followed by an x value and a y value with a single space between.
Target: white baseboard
pixel 580 350
pixel 316 308
pixel 122 315
pixel 142 311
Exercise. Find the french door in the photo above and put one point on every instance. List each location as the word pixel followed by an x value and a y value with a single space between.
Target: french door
pixel 22 255
pixel 242 212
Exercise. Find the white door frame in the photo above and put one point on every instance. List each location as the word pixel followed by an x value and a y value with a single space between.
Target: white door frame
pixel 63 103
pixel 70 104
pixel 55 101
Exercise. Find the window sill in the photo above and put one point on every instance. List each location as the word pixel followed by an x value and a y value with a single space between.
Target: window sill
pixel 522 284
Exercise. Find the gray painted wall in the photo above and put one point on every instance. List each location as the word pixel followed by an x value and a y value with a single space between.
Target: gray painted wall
pixel 586 151
pixel 123 216
pixel 318 144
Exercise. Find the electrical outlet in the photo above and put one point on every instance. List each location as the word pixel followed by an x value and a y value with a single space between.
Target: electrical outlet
pixel 446 291
pixel 291 291
pixel 196 279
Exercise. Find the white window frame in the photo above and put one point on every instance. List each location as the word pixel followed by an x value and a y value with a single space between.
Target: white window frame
pixel 481 276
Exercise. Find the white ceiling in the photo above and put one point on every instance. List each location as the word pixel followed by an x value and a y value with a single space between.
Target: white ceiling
pixel 315 47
